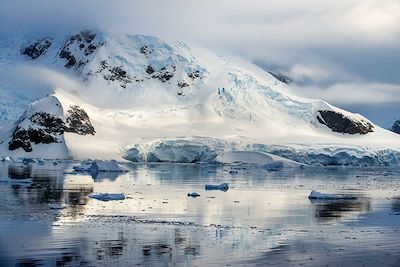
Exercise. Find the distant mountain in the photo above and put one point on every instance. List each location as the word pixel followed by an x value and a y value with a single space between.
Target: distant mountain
pixel 281 77
pixel 396 127
pixel 137 88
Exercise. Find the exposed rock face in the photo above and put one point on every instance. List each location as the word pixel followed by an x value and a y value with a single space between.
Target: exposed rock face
pixel 339 123
pixel 48 122
pixel 183 84
pixel 78 122
pixel 77 48
pixel 165 74
pixel 111 73
pixel 38 48
pixel 45 128
pixel 281 77
pixel 194 75
pixel 149 70
pixel 396 127
pixel 145 50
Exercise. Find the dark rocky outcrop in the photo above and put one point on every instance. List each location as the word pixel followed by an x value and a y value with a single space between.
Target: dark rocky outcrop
pixel 194 75
pixel 340 123
pixel 78 122
pixel 48 122
pixel 116 73
pixel 45 128
pixel 183 84
pixel 84 41
pixel 38 48
pixel 22 138
pixel 396 127
pixel 145 50
pixel 149 70
pixel 165 74
pixel 280 77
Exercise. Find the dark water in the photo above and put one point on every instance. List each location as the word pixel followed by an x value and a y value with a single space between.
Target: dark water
pixel 265 218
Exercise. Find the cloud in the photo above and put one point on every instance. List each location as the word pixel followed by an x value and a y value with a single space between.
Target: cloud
pixel 343 51
pixel 353 93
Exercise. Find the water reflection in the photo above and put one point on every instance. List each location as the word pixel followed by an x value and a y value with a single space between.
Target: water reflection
pixel 262 217
pixel 326 210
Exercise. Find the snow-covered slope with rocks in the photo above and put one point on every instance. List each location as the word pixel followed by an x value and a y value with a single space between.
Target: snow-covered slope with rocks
pixel 143 99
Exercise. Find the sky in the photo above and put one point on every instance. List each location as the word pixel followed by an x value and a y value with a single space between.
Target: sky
pixel 346 52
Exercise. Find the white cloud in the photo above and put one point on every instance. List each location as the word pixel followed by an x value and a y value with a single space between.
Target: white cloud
pixel 352 93
pixel 343 51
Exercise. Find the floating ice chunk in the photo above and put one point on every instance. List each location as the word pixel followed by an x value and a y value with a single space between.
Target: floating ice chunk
pixel 100 166
pixel 223 187
pixel 317 195
pixel 55 206
pixel 107 196
pixel 193 194
pixel 15 181
pixel 27 161
pixel 6 159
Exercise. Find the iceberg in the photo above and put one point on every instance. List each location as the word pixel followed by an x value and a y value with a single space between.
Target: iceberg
pixel 317 195
pixel 107 196
pixel 222 187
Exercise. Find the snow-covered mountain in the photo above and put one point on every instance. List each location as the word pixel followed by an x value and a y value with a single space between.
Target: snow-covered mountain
pixel 132 95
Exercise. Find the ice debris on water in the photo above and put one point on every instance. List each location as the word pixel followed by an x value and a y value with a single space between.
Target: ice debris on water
pixel 317 195
pixel 193 194
pixel 107 196
pixel 100 166
pixel 222 187
pixel 15 181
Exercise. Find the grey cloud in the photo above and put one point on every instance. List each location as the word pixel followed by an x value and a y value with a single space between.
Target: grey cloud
pixel 325 45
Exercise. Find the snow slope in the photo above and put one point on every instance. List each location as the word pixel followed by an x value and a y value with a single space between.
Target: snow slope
pixel 151 100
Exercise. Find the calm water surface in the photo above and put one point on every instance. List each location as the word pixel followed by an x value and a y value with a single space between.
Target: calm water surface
pixel 265 218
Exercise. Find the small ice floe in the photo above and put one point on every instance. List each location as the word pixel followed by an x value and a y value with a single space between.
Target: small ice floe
pixel 193 194
pixel 233 172
pixel 15 181
pixel 6 159
pixel 317 195
pixel 100 166
pixel 55 206
pixel 223 187
pixel 107 196
pixel 26 161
